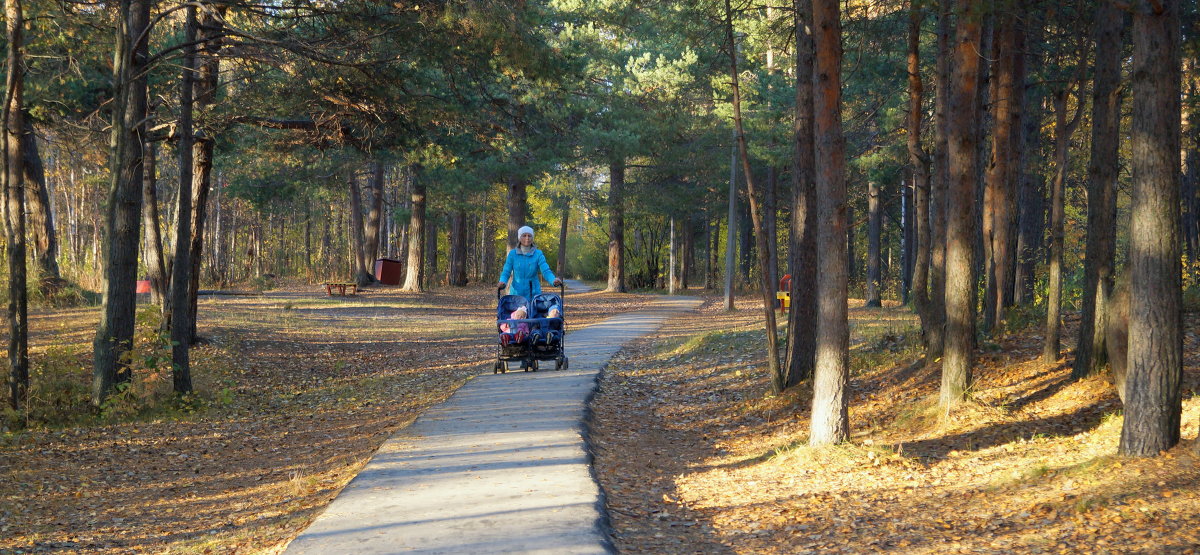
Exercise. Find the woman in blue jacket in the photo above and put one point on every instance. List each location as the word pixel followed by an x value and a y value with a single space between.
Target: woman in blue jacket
pixel 523 264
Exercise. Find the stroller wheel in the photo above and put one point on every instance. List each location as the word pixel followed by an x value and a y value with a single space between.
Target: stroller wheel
pixel 497 367
pixel 558 363
pixel 534 365
pixel 565 362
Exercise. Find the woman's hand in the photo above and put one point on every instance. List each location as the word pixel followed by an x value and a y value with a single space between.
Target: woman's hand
pixel 557 282
pixel 501 285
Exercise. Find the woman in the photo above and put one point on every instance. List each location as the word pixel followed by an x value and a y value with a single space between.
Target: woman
pixel 523 264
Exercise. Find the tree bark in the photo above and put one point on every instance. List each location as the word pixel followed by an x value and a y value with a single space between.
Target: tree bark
pixel 830 421
pixel 802 317
pixel 616 226
pixel 1102 192
pixel 874 232
pixel 114 335
pixel 155 262
pixel 778 380
pixel 1063 130
pixel 919 161
pixel 414 275
pixel 183 321
pixel 1153 385
pixel 374 217
pixel 13 114
pixel 960 211
pixel 211 28
pixel 362 275
pixel 517 208
pixel 561 264
pixel 456 274
pixel 1000 193
pixel 40 224
pixel 935 333
pixel 431 246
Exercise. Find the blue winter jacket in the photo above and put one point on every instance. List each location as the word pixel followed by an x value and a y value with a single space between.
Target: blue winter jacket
pixel 524 269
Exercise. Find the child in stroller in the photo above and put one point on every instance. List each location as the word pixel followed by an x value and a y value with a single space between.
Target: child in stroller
pixel 530 331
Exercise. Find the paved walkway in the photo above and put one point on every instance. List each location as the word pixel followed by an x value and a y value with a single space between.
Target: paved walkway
pixel 500 467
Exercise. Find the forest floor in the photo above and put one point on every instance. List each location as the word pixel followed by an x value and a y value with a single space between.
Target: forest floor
pixel 296 391
pixel 696 456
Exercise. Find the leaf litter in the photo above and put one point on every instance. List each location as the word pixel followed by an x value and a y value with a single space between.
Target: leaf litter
pixel 696 456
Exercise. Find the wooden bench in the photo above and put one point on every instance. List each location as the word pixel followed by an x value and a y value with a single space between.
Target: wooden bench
pixel 341 288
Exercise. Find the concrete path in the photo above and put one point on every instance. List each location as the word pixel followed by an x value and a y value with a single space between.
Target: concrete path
pixel 500 467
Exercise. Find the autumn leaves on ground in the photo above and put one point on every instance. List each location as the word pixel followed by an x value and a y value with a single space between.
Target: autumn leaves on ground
pixel 693 453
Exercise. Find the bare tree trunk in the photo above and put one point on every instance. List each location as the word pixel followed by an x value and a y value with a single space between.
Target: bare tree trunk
pixel 830 406
pixel 802 318
pixel 155 262
pixel 561 263
pixel 616 227
pixel 874 233
pixel 1153 385
pixel 778 381
pixel 1000 194
pixel 414 275
pixel 183 321
pixel 431 246
pixel 357 237
pixel 919 161
pixel 374 216
pixel 13 116
pixel 960 213
pixel 1102 191
pixel 114 335
pixel 517 208
pixel 211 28
pixel 40 218
pixel 935 333
pixel 1063 130
pixel 457 274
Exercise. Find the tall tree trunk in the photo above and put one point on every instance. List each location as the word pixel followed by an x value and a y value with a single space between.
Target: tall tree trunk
pixel 688 263
pixel 374 217
pixel 183 321
pixel 40 222
pixel 616 226
pixel 155 262
pixel 114 335
pixel 935 333
pixel 874 255
pixel 1153 383
pixel 13 115
pixel 802 248
pixel 431 245
pixel 919 161
pixel 1000 194
pixel 960 211
pixel 211 28
pixel 560 268
pixel 778 380
pixel 457 274
pixel 414 275
pixel 1102 191
pixel 517 208
pixel 362 275
pixel 1063 130
pixel 830 421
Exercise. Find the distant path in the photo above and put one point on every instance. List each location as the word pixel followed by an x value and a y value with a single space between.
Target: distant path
pixel 500 467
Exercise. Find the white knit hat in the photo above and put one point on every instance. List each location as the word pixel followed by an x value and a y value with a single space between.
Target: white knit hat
pixel 525 229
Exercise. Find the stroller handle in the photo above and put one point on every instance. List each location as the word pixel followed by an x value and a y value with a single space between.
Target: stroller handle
pixel 562 290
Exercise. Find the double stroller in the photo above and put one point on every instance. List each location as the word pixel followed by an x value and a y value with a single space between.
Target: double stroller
pixel 534 338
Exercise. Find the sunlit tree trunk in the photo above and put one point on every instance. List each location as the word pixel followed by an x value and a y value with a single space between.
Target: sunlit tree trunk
pixel 960 210
pixel 1153 385
pixel 561 263
pixel 414 275
pixel 182 320
pixel 919 161
pixel 874 255
pixel 40 224
pixel 374 217
pixel 357 237
pixel 935 331
pixel 154 259
pixel 756 214
pixel 830 421
pixel 517 208
pixel 802 318
pixel 456 274
pixel 1102 191
pixel 1063 129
